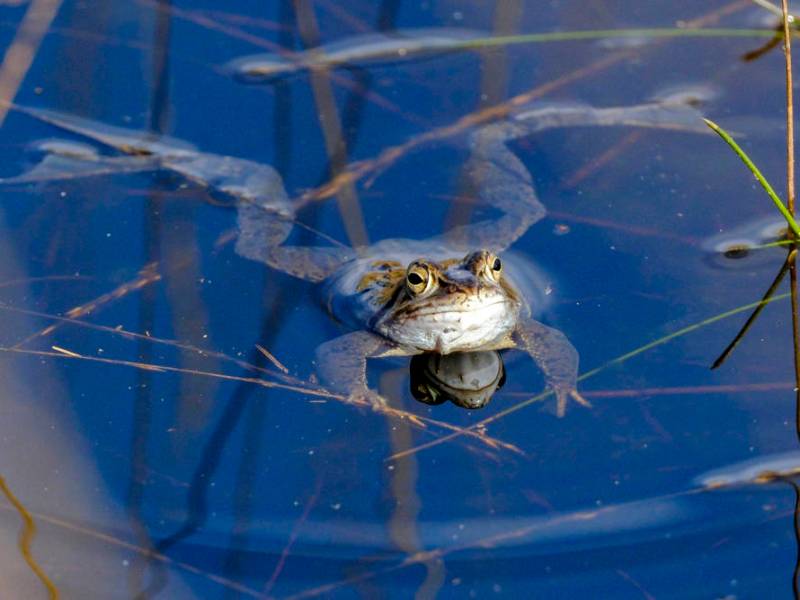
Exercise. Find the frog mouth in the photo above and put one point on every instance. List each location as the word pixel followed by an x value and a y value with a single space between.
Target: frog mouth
pixel 450 309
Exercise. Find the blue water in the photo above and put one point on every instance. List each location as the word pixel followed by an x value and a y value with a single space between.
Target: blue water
pixel 189 483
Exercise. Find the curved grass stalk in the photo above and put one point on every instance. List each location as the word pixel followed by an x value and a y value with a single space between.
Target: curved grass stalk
pixel 755 171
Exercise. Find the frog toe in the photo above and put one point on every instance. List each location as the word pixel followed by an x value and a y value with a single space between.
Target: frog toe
pixel 576 395
pixel 562 399
pixel 368 396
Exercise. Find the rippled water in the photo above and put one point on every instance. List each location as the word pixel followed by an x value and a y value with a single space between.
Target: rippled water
pixel 161 425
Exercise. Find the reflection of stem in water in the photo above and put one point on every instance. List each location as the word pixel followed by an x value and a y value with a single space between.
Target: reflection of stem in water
pixel 403 527
pixel 142 408
pixel 387 14
pixel 26 539
pixel 197 498
pixel 330 123
pixel 494 61
pixel 763 49
pixel 795 339
pixel 796 523
pixel 493 90
pixel 19 55
pixel 752 318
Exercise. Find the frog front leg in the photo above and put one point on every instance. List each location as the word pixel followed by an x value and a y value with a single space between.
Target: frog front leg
pixel 342 364
pixel 555 356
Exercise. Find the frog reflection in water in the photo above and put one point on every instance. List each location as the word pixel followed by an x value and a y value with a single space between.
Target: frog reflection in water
pixel 467 379
pixel 450 293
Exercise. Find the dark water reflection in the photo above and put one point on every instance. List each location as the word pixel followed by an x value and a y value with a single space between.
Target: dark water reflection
pixel 160 470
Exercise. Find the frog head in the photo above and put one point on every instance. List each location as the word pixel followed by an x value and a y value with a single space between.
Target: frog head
pixel 453 305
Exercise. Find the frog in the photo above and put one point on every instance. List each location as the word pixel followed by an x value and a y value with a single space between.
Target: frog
pixel 461 291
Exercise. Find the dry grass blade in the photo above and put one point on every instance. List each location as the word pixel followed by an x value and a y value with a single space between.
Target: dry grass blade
pixel 20 54
pixel 330 123
pixel 418 421
pixel 149 274
pixel 298 384
pixel 271 358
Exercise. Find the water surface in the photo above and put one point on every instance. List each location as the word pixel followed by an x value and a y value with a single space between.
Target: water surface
pixel 155 465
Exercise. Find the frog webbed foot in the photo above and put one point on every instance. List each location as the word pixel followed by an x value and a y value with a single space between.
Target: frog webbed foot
pixel 563 394
pixel 362 394
pixel 556 357
pixel 342 365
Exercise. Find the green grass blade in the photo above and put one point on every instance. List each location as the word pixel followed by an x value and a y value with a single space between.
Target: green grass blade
pixel 601 34
pixel 754 170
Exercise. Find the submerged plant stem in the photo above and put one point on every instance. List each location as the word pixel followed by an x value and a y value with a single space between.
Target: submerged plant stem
pixel 754 170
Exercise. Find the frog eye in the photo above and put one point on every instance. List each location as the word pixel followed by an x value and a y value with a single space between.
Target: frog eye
pixel 418 278
pixel 497 266
pixel 493 267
